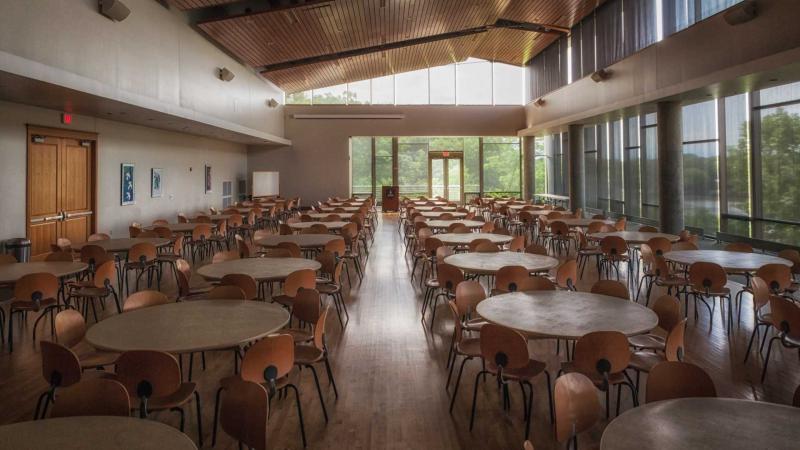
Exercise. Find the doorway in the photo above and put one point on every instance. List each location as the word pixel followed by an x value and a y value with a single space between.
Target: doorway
pixel 60 187
pixel 446 175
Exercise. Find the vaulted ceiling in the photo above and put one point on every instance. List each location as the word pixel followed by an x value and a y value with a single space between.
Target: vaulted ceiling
pixel 305 44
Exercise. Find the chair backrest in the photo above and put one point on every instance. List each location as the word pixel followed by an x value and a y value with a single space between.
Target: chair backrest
pixel 271 357
pixel 337 246
pixel 559 228
pixel 613 246
pixel 487 247
pixel 285 230
pixel 675 342
pixel 760 291
pixel 443 252
pixel 741 247
pixel 468 294
pixel 648 229
pixel 134 230
pixel 33 286
pixel 668 311
pixel 473 245
pixel 620 224
pixel 576 405
pixel 60 365
pixel 94 255
pixel 659 245
pixel 777 276
pixel 229 292
pixel 142 252
pixel 62 256
pixel 707 276
pixel 677 379
pixel 201 232
pixel 319 329
pixel 244 282
pixel 612 288
pixel 449 276
pixel 227 255
pixel 144 299
pixel 317 228
pixel 244 413
pixel 536 249
pixel 70 327
pixel 148 373
pixel 162 232
pixel 602 352
pixel 98 237
pixel 306 305
pixel 594 227
pixel 458 327
pixel 509 278
pixel 536 283
pixel 305 278
pixel 785 316
pixel 93 397
pixel 793 256
pixel 567 274
pixel 517 244
pixel 502 346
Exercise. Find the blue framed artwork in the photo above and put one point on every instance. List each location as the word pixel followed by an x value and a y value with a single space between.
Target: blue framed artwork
pixel 156 177
pixel 127 193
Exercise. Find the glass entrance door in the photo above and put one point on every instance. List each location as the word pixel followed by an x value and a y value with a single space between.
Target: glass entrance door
pixel 446 171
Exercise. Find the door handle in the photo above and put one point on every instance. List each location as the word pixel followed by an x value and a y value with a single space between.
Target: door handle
pixel 78 214
pixel 58 217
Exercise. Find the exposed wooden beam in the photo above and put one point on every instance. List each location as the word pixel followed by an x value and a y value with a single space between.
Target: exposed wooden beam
pixel 502 23
pixel 246 8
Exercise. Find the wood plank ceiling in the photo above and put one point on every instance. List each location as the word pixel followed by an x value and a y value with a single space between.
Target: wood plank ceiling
pixel 279 35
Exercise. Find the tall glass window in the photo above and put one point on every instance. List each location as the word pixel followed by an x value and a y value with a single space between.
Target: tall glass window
pixel 334 95
pixel 411 88
pixel 603 195
pixel 649 152
pixel 560 164
pixel 472 168
pixel 383 164
pixel 590 165
pixel 361 165
pixel 383 90
pixel 412 166
pixel 358 93
pixel 507 84
pixel 632 168
pixel 737 165
pixel 543 167
pixel 615 168
pixel 501 166
pixel 701 166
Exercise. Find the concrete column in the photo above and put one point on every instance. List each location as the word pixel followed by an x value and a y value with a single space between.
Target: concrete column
pixel 670 167
pixel 577 177
pixel 528 167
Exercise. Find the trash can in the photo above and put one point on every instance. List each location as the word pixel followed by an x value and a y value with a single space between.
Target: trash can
pixel 20 248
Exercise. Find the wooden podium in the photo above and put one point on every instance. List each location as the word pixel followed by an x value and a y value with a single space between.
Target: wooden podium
pixel 390 198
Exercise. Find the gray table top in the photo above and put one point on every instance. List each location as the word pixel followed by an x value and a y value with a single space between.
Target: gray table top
pixel 435 223
pixel 10 273
pixel 122 244
pixel 466 238
pixel 304 225
pixel 303 240
pixel 730 261
pixel 637 237
pixel 262 269
pixel 489 263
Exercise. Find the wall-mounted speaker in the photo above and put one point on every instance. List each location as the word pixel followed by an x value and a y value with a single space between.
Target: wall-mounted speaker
pixel 540 102
pixel 741 13
pixel 114 10
pixel 225 74
pixel 601 75
pixel 272 103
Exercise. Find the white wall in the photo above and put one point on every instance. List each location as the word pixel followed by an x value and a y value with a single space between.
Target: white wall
pixel 118 143
pixel 152 59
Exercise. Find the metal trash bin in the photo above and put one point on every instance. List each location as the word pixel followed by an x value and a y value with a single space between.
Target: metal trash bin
pixel 19 247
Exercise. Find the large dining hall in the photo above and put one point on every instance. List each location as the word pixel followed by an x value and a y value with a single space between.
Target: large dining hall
pixel 399 224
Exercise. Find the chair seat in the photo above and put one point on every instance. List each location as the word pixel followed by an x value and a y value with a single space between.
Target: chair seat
pixel 90 292
pixel 647 341
pixel 328 288
pixel 475 324
pixel 672 281
pixel 299 335
pixel 527 372
pixel 722 292
pixel 597 379
pixel 469 347
pixel 645 361
pixel 307 354
pixel 168 257
pixel 284 300
pixel 90 357
pixel 29 305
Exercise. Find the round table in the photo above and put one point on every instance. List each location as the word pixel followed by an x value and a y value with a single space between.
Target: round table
pixel 461 239
pixel 123 244
pixel 730 261
pixel 320 216
pixel 536 208
pixel 191 326
pixel 10 273
pixel 580 223
pixel 446 223
pixel 303 240
pixel 637 237
pixel 712 423
pixel 330 225
pixel 435 214
pixel 428 203
pixel 93 432
pixel 430 208
pixel 567 314
pixel 181 227
pixel 262 269
pixel 330 209
pixel 490 263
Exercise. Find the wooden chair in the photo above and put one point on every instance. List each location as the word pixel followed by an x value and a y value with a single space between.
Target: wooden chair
pixel 170 258
pixel 759 290
pixel 793 256
pixel 228 255
pixel 586 251
pixel 708 280
pixel 245 282
pixel 677 379
pixel 674 344
pixel 95 397
pixel 144 299
pixel 98 237
pixel 307 355
pixel 331 284
pixel 448 277
pixel 577 408
pixel 244 413
pixel 306 309
pixel 60 369
pixel 740 247
pixel 615 251
pixel 467 348
pixel 184 274
pixel 229 292
pixel 99 287
pixel 71 332
pixel 33 292
pixel 509 278
pixel 567 275
pixel 147 234
pixel 505 354
pixel 292 247
pixel 603 356
pixel 142 261
pixel 536 249
pixel 560 237
pixel 305 278
pixel 668 311
pixel 473 244
pixel 786 324
pixel 536 283
pixel 468 294
pixel 487 247
pixel 268 362
pixel 153 380
pixel 517 244
pixel 612 288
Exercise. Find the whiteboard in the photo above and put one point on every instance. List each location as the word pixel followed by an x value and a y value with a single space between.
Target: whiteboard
pixel 265 183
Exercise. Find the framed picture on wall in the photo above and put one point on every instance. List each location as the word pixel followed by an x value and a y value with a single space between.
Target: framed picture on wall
pixel 155 182
pixel 208 178
pixel 127 194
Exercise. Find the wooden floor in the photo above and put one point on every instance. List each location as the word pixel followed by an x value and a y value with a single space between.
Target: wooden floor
pixel 390 371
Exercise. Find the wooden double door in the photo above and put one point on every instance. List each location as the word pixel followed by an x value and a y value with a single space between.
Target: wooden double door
pixel 60 191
